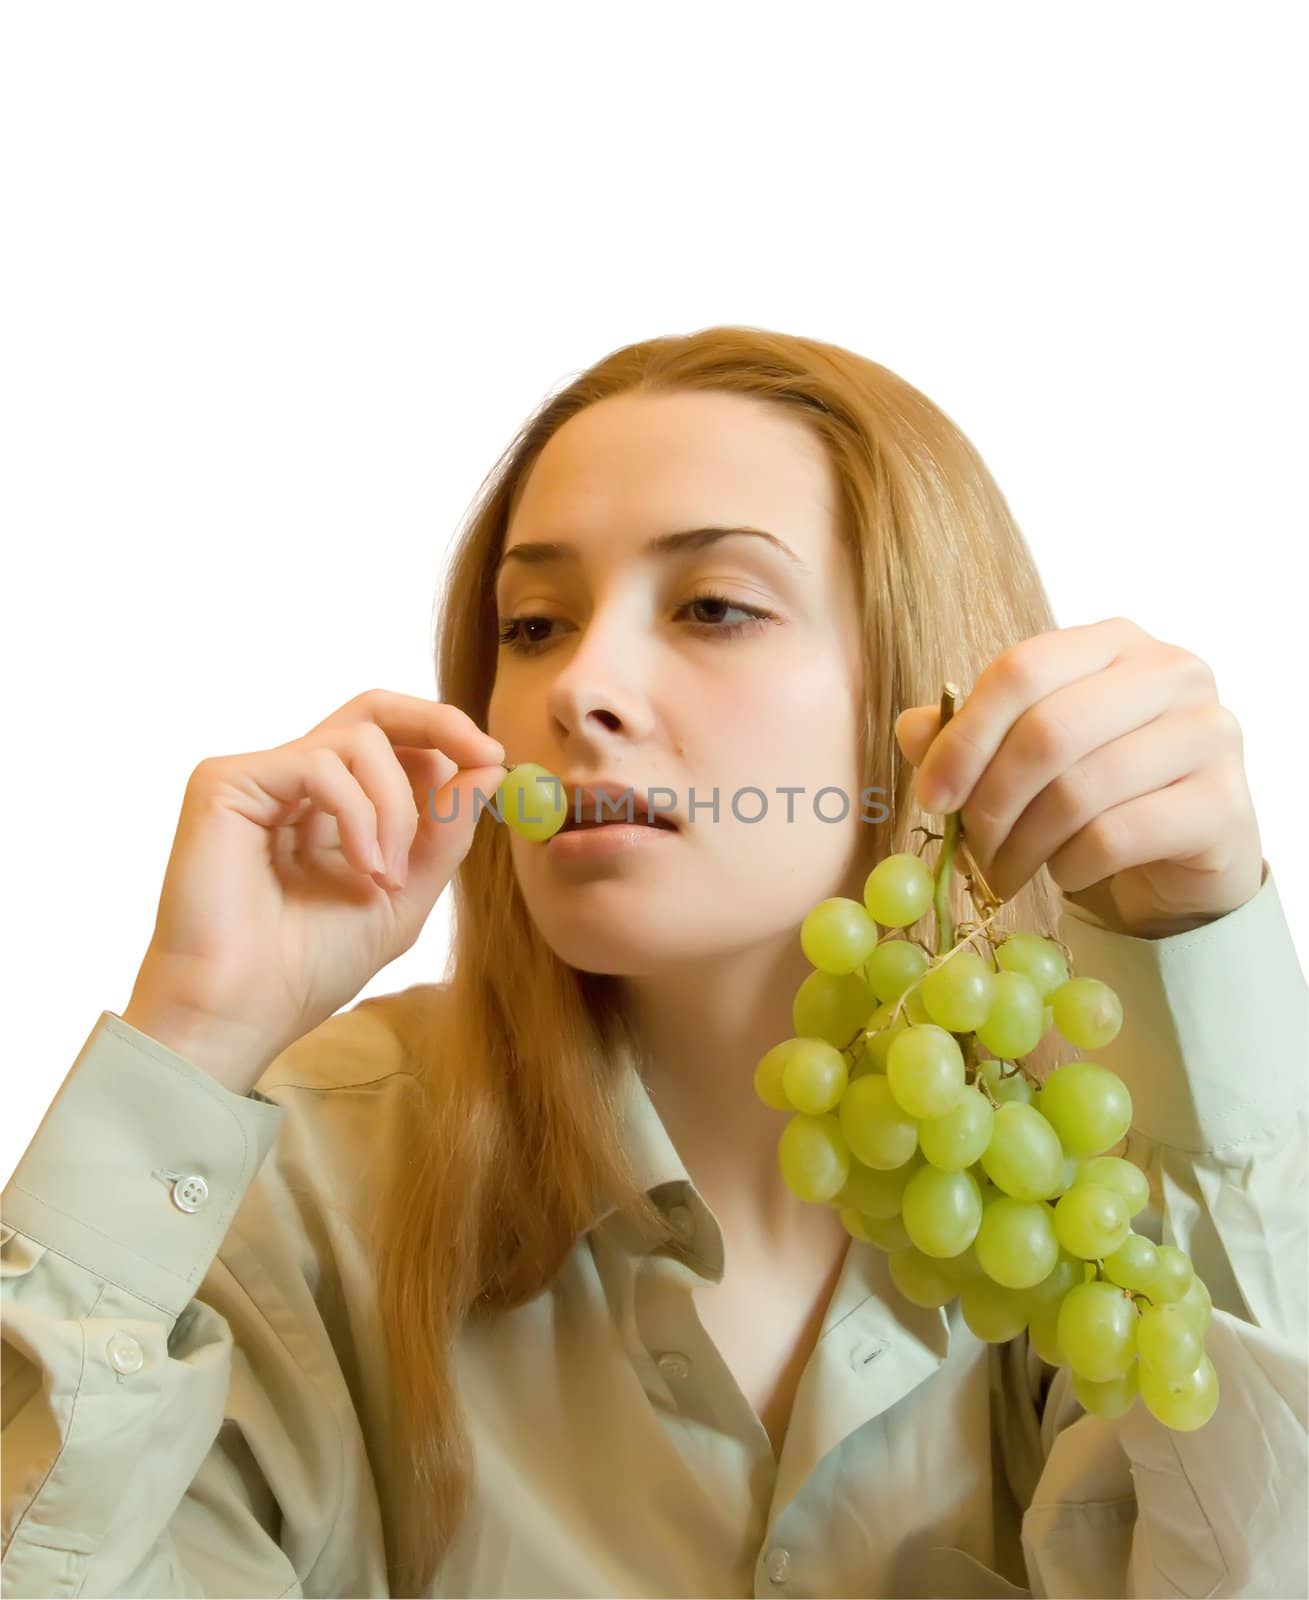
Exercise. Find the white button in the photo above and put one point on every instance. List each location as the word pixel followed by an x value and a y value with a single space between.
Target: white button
pixel 190 1193
pixel 674 1365
pixel 682 1223
pixel 124 1353
pixel 777 1564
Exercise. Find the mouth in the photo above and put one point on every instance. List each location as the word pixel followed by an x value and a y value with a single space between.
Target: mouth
pixel 594 809
pixel 590 825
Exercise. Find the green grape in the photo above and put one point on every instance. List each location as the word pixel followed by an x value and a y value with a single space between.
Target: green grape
pixel 957 1139
pixel 1088 1106
pixel 1043 1333
pixel 1114 1172
pixel 922 1280
pixel 1087 1012
pixel 1182 1404
pixel 1015 1022
pixel 915 1007
pixel 837 935
pixel 1091 1222
pixel 925 1069
pixel 878 1195
pixel 941 1211
pixel 856 1224
pixel 1173 1273
pixel 1196 1302
pixel 1013 1086
pixel 769 1075
pixel 1097 1328
pixel 1168 1340
pixel 1024 1157
pixel 1047 1019
pixel 532 801
pixel 959 992
pixel 898 890
pixel 878 1131
pixel 813 1157
pixel 992 1312
pixel 832 1006
pixel 1133 1263
pixel 814 1076
pixel 1067 1272
pixel 893 966
pixel 887 1233
pixel 1016 1242
pixel 1114 1398
pixel 881 1033
pixel 1069 1174
pixel 1038 959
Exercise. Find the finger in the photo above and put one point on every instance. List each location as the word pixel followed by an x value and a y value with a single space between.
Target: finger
pixel 270 785
pixel 914 731
pixel 446 825
pixel 1018 678
pixel 370 756
pixel 1149 758
pixel 1049 739
pixel 406 719
pixel 1164 825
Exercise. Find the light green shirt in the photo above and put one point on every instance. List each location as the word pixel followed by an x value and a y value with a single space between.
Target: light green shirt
pixel 194 1371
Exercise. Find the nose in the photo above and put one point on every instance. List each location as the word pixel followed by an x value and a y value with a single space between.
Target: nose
pixel 600 685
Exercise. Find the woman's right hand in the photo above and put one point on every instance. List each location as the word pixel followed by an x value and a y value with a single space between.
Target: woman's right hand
pixel 297 873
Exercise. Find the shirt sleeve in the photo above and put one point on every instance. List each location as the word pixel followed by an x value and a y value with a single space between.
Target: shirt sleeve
pixel 1215 1051
pixel 172 1422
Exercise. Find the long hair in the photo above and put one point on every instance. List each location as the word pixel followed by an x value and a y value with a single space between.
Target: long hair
pixel 517 1147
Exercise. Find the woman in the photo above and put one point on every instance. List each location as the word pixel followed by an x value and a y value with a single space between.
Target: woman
pixel 445 1305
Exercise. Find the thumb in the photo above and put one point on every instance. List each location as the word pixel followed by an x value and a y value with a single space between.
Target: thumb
pixel 914 731
pixel 447 822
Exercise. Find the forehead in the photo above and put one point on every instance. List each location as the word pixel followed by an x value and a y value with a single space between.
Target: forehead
pixel 639 464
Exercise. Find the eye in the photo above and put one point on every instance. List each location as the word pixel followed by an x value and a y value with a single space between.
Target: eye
pixel 514 632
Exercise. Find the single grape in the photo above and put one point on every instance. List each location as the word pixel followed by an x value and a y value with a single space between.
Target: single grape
pixel 769 1075
pixel 1090 1221
pixel 813 1157
pixel 1067 1272
pixel 814 1076
pixel 887 1233
pixel 992 1312
pixel 915 1007
pixel 1088 1106
pixel 1005 1087
pixel 1097 1328
pixel 876 1128
pixel 941 1211
pixel 922 1280
pixel 1024 1157
pixel 959 992
pixel 1182 1404
pixel 1114 1398
pixel 1173 1273
pixel 957 1139
pixel 856 1224
pixel 837 935
pixel 878 1195
pixel 1069 1174
pixel 898 890
pixel 1038 959
pixel 1196 1302
pixel 832 1006
pixel 1114 1172
pixel 1133 1264
pixel 893 966
pixel 925 1069
pixel 1043 1334
pixel 1087 1012
pixel 881 1033
pixel 1168 1340
pixel 1016 1020
pixel 532 801
pixel 1016 1243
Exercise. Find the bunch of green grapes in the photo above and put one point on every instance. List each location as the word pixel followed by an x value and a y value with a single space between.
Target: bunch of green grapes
pixel 977 1181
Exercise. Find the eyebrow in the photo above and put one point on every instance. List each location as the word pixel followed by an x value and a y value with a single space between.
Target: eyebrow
pixel 543 553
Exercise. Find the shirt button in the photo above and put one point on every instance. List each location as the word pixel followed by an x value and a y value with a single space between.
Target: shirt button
pixel 190 1193
pixel 124 1353
pixel 778 1564
pixel 682 1223
pixel 674 1365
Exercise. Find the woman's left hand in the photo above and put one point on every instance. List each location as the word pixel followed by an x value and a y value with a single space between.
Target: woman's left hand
pixel 1105 755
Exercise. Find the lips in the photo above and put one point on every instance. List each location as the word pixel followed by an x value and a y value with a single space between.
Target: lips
pixel 617 803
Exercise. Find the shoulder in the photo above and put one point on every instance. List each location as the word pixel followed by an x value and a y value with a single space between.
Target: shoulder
pixel 384 1042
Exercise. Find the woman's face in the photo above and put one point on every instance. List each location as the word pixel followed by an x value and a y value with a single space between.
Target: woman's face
pixel 633 676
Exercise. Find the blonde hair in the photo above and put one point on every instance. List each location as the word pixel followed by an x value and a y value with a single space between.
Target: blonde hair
pixel 517 1148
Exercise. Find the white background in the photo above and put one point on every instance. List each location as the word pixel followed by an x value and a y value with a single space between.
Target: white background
pixel 279 282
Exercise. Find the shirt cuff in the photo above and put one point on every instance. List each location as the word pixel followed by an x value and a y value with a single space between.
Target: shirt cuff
pixel 140 1165
pixel 1214 1045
